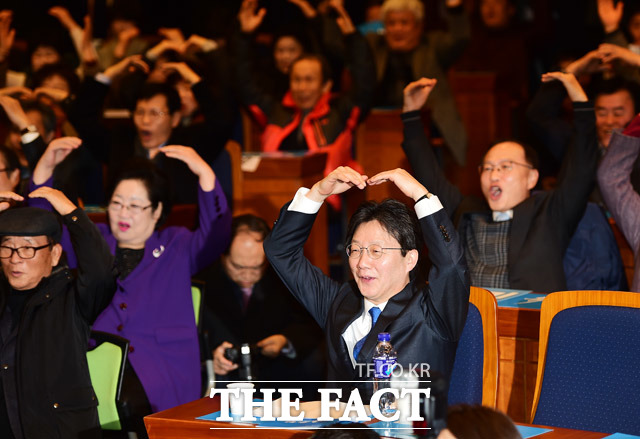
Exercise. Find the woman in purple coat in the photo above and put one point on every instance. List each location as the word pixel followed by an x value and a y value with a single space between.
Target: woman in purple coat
pixel 152 306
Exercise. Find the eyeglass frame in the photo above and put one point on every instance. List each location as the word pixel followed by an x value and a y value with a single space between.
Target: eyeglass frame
pixel 18 249
pixel 347 250
pixel 500 166
pixel 131 208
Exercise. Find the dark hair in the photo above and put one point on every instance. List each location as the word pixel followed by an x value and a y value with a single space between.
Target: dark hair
pixel 325 69
pixel 59 69
pixel 478 422
pixel 154 180
pixel 151 89
pixel 251 222
pixel 10 158
pixel 599 87
pixel 248 222
pixel 52 38
pixel 295 33
pixel 530 154
pixel 394 217
pixel 46 112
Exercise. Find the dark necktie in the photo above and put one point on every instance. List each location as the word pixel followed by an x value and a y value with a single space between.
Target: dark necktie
pixel 375 313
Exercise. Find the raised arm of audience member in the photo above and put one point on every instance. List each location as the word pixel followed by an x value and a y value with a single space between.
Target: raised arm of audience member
pixel 359 60
pixel 64 17
pixel 96 276
pixel 544 113
pixel 250 18
pixel 7 36
pixel 55 153
pixel 577 178
pixel 418 149
pixel 450 45
pixel 614 177
pixel 610 13
pixel 213 101
pixel 625 62
pixel 33 145
pixel 87 111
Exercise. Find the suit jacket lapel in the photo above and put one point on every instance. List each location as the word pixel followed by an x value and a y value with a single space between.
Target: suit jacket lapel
pixel 391 312
pixel 347 310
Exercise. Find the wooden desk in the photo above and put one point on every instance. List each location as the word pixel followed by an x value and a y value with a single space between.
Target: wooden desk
pixel 180 422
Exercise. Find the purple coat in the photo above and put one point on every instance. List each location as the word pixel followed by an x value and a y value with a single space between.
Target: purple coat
pixel 153 307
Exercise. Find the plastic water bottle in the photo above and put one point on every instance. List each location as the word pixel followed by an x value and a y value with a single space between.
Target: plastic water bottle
pixel 384 361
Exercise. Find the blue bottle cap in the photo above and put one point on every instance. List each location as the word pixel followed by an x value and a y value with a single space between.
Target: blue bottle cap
pixel 384 336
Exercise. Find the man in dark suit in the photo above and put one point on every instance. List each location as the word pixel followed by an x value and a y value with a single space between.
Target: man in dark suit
pixel 247 303
pixel 512 238
pixel 383 245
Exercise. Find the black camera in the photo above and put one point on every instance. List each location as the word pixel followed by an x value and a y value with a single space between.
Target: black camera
pixel 243 356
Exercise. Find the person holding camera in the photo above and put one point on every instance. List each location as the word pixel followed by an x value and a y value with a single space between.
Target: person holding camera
pixel 246 303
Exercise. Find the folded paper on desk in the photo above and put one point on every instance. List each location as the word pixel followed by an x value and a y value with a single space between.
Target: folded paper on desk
pixel 621 436
pixel 508 298
pixel 527 432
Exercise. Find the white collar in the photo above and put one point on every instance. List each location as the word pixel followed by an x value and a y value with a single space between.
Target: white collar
pixel 499 216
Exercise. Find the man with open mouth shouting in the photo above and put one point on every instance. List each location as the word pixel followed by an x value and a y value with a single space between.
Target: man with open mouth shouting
pixel 511 238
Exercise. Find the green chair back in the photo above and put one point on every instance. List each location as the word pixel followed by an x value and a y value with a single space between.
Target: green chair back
pixel 196 296
pixel 104 367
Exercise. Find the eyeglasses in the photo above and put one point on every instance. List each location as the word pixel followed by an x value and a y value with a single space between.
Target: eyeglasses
pixel 134 209
pixel 374 250
pixel 153 114
pixel 23 252
pixel 503 167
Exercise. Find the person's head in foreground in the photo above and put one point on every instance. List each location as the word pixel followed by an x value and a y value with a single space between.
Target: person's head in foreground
pixel 508 173
pixel 245 261
pixel 382 245
pixel 352 430
pixel 478 422
pixel 29 246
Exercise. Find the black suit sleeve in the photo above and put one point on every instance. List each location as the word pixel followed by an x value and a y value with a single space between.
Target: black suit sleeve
pixel 96 280
pixel 569 199
pixel 306 282
pixel 544 117
pixel 424 164
pixel 448 290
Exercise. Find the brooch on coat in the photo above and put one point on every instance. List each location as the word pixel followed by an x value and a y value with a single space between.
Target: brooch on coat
pixel 158 251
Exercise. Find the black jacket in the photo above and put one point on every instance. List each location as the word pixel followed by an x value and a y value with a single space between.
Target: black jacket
pixel 543 223
pixel 271 310
pixel 425 321
pixel 55 396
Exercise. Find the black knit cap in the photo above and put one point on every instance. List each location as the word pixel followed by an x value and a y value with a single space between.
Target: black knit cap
pixel 30 221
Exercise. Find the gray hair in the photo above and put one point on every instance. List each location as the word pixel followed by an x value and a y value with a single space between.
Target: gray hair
pixel 416 7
